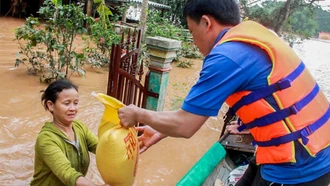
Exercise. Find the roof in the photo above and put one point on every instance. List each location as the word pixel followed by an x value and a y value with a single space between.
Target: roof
pixel 153 4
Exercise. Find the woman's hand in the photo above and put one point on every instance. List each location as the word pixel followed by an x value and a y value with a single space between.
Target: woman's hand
pixel 148 138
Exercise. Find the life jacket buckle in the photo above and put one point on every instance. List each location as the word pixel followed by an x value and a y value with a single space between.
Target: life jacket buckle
pixel 283 84
pixel 306 131
pixel 293 109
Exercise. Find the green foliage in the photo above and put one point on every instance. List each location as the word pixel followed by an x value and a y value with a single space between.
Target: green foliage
pixel 102 34
pixel 299 25
pixel 94 56
pixel 33 35
pixel 176 10
pixel 158 25
pixel 185 64
pixel 57 2
pixel 264 13
pixel 189 50
pixel 178 98
pixel 120 11
pixel 269 14
pixel 322 17
pixel 302 23
pixel 48 48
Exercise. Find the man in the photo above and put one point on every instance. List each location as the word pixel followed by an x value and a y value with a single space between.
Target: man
pixel 264 82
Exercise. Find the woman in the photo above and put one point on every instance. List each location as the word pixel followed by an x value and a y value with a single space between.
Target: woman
pixel 61 149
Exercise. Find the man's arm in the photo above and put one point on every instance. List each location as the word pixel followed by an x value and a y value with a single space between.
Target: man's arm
pixel 171 123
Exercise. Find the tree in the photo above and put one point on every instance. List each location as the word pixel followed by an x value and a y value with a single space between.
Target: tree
pixel 89 7
pixel 322 17
pixel 302 23
pixel 274 14
pixel 61 26
pixel 144 14
pixel 176 10
pixel 283 15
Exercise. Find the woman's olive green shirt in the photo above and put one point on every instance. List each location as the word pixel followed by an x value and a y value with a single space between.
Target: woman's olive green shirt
pixel 59 161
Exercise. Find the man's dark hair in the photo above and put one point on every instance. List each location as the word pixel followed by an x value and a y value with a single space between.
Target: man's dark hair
pixel 226 12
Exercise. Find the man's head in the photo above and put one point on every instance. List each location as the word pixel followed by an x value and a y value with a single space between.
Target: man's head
pixel 207 18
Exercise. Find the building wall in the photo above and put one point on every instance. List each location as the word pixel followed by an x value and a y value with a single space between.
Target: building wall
pixel 324 35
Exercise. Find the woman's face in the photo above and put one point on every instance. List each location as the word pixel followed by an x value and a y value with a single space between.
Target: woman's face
pixel 65 108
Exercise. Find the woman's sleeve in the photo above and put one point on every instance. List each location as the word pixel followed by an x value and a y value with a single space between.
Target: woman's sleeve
pixel 91 139
pixel 51 153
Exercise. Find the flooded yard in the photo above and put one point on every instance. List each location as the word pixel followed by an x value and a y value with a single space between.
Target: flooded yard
pixel 22 115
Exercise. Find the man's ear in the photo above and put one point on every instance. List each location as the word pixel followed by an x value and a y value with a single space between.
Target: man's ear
pixel 207 21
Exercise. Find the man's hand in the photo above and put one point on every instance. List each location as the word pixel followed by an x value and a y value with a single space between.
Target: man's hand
pixel 128 116
pixel 148 138
pixel 232 128
pixel 177 123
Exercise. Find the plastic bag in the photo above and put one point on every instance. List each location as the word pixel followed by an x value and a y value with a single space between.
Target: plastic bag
pixel 235 175
pixel 117 150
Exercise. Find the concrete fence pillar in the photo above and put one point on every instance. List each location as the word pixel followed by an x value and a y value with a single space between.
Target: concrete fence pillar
pixel 162 51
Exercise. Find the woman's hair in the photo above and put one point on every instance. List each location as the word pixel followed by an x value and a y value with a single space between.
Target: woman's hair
pixel 52 91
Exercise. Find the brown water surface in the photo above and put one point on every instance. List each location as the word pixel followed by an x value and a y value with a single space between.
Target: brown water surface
pixel 22 116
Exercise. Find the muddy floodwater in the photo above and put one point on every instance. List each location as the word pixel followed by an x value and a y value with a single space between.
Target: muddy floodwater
pixel 22 115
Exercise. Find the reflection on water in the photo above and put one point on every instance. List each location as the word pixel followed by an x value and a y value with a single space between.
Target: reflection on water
pixel 22 115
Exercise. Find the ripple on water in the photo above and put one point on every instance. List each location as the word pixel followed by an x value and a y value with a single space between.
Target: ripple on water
pixel 315 55
pixel 165 171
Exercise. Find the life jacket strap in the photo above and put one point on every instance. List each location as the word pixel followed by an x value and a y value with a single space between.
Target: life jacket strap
pixel 268 90
pixel 282 114
pixel 299 134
